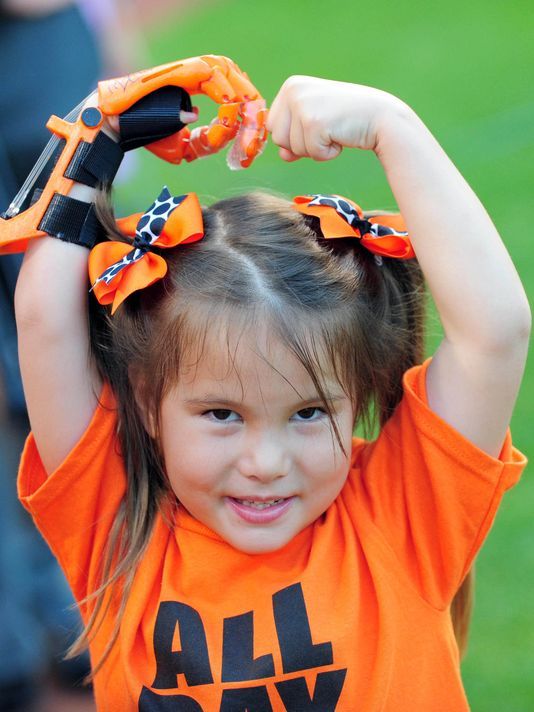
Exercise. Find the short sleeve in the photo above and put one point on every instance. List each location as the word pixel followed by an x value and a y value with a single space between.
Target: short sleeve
pixel 74 508
pixel 430 493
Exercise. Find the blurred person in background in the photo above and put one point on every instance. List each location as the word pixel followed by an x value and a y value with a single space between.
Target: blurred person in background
pixel 52 53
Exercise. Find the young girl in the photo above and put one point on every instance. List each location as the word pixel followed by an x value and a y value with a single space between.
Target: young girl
pixel 192 462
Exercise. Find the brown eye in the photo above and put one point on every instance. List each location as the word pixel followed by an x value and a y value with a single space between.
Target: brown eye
pixel 222 415
pixel 309 414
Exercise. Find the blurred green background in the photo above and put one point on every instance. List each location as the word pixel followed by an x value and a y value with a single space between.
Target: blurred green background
pixel 467 68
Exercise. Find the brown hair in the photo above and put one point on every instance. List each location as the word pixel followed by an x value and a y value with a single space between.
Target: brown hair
pixel 259 259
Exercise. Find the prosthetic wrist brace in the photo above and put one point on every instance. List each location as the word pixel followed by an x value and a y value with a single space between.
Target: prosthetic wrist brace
pixel 151 118
pixel 93 163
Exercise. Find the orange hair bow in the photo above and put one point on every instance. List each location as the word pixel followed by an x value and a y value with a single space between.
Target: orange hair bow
pixel 383 235
pixel 117 269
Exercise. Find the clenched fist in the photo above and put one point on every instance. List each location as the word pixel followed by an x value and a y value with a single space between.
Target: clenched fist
pixel 316 118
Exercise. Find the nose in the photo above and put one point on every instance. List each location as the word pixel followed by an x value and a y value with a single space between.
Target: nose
pixel 265 457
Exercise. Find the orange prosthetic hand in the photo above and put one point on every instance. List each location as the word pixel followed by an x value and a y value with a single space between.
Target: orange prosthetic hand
pixel 242 114
pixel 241 118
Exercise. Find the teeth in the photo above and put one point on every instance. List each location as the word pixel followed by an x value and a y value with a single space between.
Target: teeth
pixel 259 505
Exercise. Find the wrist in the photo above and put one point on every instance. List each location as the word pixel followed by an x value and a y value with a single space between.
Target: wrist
pixel 71 215
pixel 110 126
pixel 397 126
pixel 373 114
pixel 110 123
pixel 82 192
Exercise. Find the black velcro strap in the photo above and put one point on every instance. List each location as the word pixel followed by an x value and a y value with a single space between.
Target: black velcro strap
pixel 153 117
pixel 72 220
pixel 96 162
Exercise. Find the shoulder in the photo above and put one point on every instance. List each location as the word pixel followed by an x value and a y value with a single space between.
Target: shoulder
pixel 414 403
pixel 97 447
pixel 75 507
pixel 417 439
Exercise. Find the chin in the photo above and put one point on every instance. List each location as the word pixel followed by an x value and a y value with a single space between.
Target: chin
pixel 259 543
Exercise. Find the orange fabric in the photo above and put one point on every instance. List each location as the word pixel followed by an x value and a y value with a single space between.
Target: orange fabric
pixel 184 225
pixel 128 224
pixel 352 614
pixel 138 275
pixel 334 225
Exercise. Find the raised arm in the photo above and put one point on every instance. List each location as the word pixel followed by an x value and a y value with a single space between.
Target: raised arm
pixel 61 383
pixel 475 375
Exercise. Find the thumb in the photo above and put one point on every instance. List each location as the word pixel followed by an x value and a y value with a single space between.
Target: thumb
pixel 327 152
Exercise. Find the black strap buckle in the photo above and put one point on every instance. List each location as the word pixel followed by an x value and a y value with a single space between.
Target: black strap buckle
pixel 72 221
pixel 96 162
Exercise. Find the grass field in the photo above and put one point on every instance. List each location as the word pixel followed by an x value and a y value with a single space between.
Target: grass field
pixel 466 68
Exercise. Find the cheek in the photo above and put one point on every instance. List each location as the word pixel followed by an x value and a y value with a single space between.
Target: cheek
pixel 191 461
pixel 325 460
pixel 340 455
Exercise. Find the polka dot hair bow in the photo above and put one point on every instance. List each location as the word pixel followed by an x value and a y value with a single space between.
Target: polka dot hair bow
pixel 116 269
pixel 383 235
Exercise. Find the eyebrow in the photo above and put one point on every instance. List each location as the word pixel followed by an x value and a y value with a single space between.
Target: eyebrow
pixel 211 398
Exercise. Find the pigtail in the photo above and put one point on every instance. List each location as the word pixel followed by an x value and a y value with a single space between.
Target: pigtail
pixel 398 291
pixel 390 301
pixel 400 287
pixel 110 339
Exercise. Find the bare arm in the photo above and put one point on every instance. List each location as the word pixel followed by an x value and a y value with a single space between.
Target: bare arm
pixel 61 383
pixel 475 375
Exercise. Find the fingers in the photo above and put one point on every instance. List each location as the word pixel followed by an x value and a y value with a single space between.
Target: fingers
pixel 287 132
pixel 299 139
pixel 113 125
pixel 321 150
pixel 286 155
pixel 278 123
pixel 298 126
pixel 227 82
pixel 218 87
pixel 189 117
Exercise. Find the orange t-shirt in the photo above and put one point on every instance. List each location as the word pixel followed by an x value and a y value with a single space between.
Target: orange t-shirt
pixel 353 614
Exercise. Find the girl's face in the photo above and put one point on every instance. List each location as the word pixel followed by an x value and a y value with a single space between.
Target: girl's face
pixel 248 448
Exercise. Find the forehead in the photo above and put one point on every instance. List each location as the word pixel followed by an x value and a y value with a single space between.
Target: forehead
pixel 242 361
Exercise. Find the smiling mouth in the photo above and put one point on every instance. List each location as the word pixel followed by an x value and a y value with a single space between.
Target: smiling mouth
pixel 259 504
pixel 260 511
